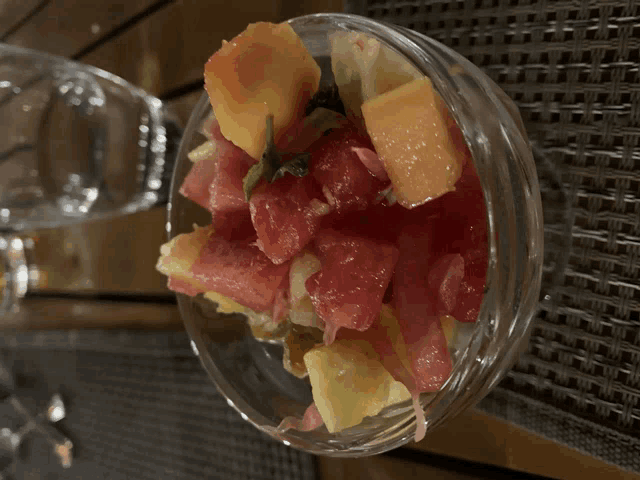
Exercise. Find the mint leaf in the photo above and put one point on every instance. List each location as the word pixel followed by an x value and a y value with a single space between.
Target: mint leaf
pixel 266 166
pixel 272 164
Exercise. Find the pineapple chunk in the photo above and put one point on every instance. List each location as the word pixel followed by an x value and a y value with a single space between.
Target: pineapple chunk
pixel 412 132
pixel 178 255
pixel 349 383
pixel 265 69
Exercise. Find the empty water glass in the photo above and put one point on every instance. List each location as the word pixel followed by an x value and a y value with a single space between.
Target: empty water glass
pixel 77 143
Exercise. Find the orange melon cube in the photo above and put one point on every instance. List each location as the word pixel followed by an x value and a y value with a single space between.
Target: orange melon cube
pixel 411 130
pixel 265 69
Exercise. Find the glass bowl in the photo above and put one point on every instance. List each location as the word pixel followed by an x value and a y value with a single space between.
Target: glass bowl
pixel 250 374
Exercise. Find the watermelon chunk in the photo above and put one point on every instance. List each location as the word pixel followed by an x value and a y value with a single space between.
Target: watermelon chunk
pixel 336 164
pixel 348 290
pixel 180 285
pixel 466 213
pixel 225 190
pixel 234 225
pixel 286 215
pixel 426 347
pixel 416 308
pixel 378 222
pixel 240 271
pixel 195 186
pixel 473 284
pixel 463 231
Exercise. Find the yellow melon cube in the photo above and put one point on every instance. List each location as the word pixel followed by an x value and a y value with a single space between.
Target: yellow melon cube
pixel 410 129
pixel 348 383
pixel 265 69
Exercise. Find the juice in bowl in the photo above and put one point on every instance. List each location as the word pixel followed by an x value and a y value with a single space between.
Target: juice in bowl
pixel 356 236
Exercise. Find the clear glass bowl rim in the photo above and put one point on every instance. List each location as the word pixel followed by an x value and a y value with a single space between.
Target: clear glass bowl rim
pixel 503 323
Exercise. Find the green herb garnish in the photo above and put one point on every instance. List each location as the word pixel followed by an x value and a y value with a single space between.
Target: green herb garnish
pixel 274 164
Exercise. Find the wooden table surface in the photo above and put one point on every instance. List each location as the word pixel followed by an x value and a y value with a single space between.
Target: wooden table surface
pixel 96 275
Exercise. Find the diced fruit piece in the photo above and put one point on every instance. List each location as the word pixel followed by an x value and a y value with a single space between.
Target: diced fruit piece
pixel 180 285
pixel 232 164
pixel 411 132
pixel 349 383
pixel 206 150
pixel 378 222
pixel 240 271
pixel 336 165
pixel 470 299
pixel 364 68
pixel 415 306
pixel 286 215
pixel 265 69
pixel 427 347
pixel 234 224
pixel 195 186
pixel 466 213
pixel 348 290
pixel 217 185
pixel 463 230
pixel 178 256
pixel 215 179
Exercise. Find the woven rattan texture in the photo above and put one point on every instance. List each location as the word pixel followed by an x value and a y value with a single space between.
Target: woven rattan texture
pixel 571 66
pixel 140 406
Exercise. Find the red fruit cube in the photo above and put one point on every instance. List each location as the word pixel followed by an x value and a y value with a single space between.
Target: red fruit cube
pixel 286 215
pixel 348 290
pixel 337 166
pixel 240 271
pixel 416 307
pixel 195 186
pixel 233 163
pixel 426 348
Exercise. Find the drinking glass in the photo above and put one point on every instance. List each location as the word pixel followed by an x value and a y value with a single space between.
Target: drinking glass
pixel 76 144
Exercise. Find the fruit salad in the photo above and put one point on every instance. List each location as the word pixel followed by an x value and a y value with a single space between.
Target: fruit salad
pixel 347 220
